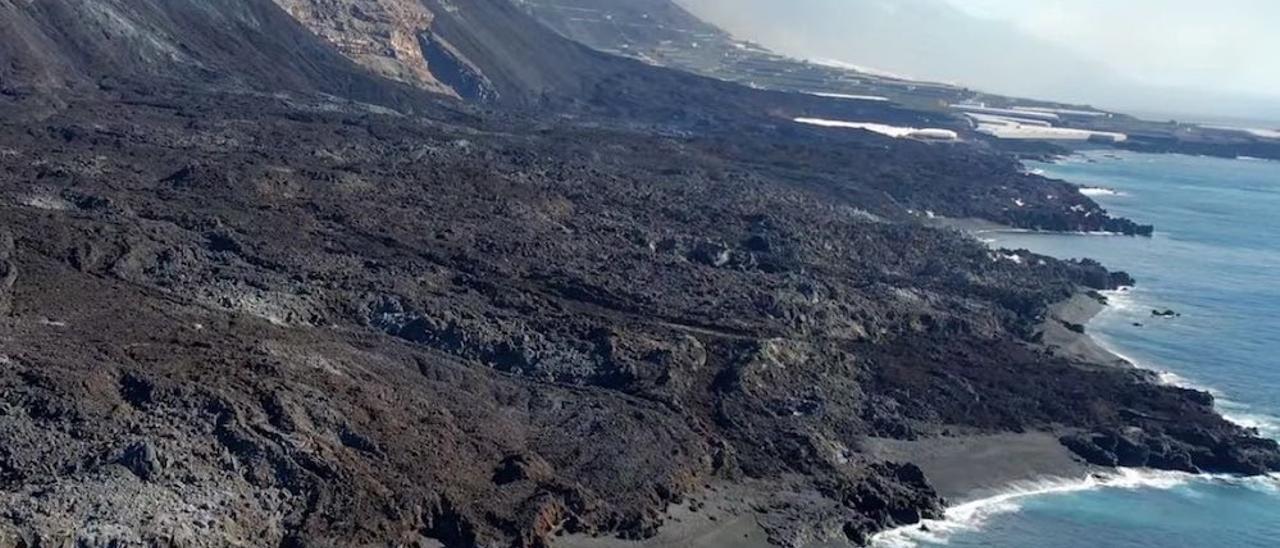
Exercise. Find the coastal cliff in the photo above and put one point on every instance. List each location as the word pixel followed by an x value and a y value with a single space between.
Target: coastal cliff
pixel 365 315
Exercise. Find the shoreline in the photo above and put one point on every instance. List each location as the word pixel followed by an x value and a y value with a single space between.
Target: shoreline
pixel 971 516
pixel 979 475
pixel 974 472
pixel 969 509
pixel 1059 337
pixel 978 227
pixel 1046 467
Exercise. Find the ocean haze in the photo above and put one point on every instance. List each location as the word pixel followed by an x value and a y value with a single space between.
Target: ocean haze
pixel 1226 46
pixel 1180 57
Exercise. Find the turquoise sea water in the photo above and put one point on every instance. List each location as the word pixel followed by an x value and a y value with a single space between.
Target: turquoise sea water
pixel 1215 259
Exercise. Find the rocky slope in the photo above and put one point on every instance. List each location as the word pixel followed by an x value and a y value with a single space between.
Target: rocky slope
pixel 83 45
pixel 382 35
pixel 479 50
pixel 295 318
pixel 633 27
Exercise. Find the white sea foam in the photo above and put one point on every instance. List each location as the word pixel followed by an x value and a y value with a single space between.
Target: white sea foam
pixel 1005 230
pixel 1237 413
pixel 1170 378
pixel 1243 415
pixel 971 516
pixel 1125 301
pixel 1099 191
pixel 1119 300
pixel 1266 425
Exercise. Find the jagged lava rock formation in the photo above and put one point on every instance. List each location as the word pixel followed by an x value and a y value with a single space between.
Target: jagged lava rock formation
pixel 254 294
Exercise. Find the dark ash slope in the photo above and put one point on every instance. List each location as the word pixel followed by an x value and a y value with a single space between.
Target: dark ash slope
pixel 50 46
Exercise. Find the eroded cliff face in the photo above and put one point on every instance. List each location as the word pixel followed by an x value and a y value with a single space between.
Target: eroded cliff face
pixel 478 50
pixel 392 38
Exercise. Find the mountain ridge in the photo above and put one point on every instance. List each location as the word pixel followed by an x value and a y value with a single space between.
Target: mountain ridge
pixel 929 40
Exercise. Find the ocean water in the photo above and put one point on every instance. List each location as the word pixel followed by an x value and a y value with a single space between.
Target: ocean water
pixel 1215 259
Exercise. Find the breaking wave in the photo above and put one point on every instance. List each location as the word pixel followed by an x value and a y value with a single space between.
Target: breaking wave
pixel 971 516
pixel 1099 191
pixel 1123 301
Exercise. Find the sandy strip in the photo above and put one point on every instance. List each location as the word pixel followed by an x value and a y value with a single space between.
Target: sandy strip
pixel 1078 310
pixel 968 468
pixel 1061 340
pixel 963 468
pixel 972 226
pixel 723 519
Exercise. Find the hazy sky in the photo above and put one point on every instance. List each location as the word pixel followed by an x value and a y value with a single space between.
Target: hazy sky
pixel 1227 45
pixel 1217 58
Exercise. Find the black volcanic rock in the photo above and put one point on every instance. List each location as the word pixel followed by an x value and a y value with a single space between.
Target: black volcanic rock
pixel 1181 449
pixel 711 254
pixel 8 272
pixel 322 322
pixel 142 459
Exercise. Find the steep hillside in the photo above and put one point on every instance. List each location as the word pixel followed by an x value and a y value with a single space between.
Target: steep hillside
pixel 480 50
pixel 662 33
pixel 233 44
pixel 613 25
pixel 523 60
pixel 382 35
pixel 485 50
